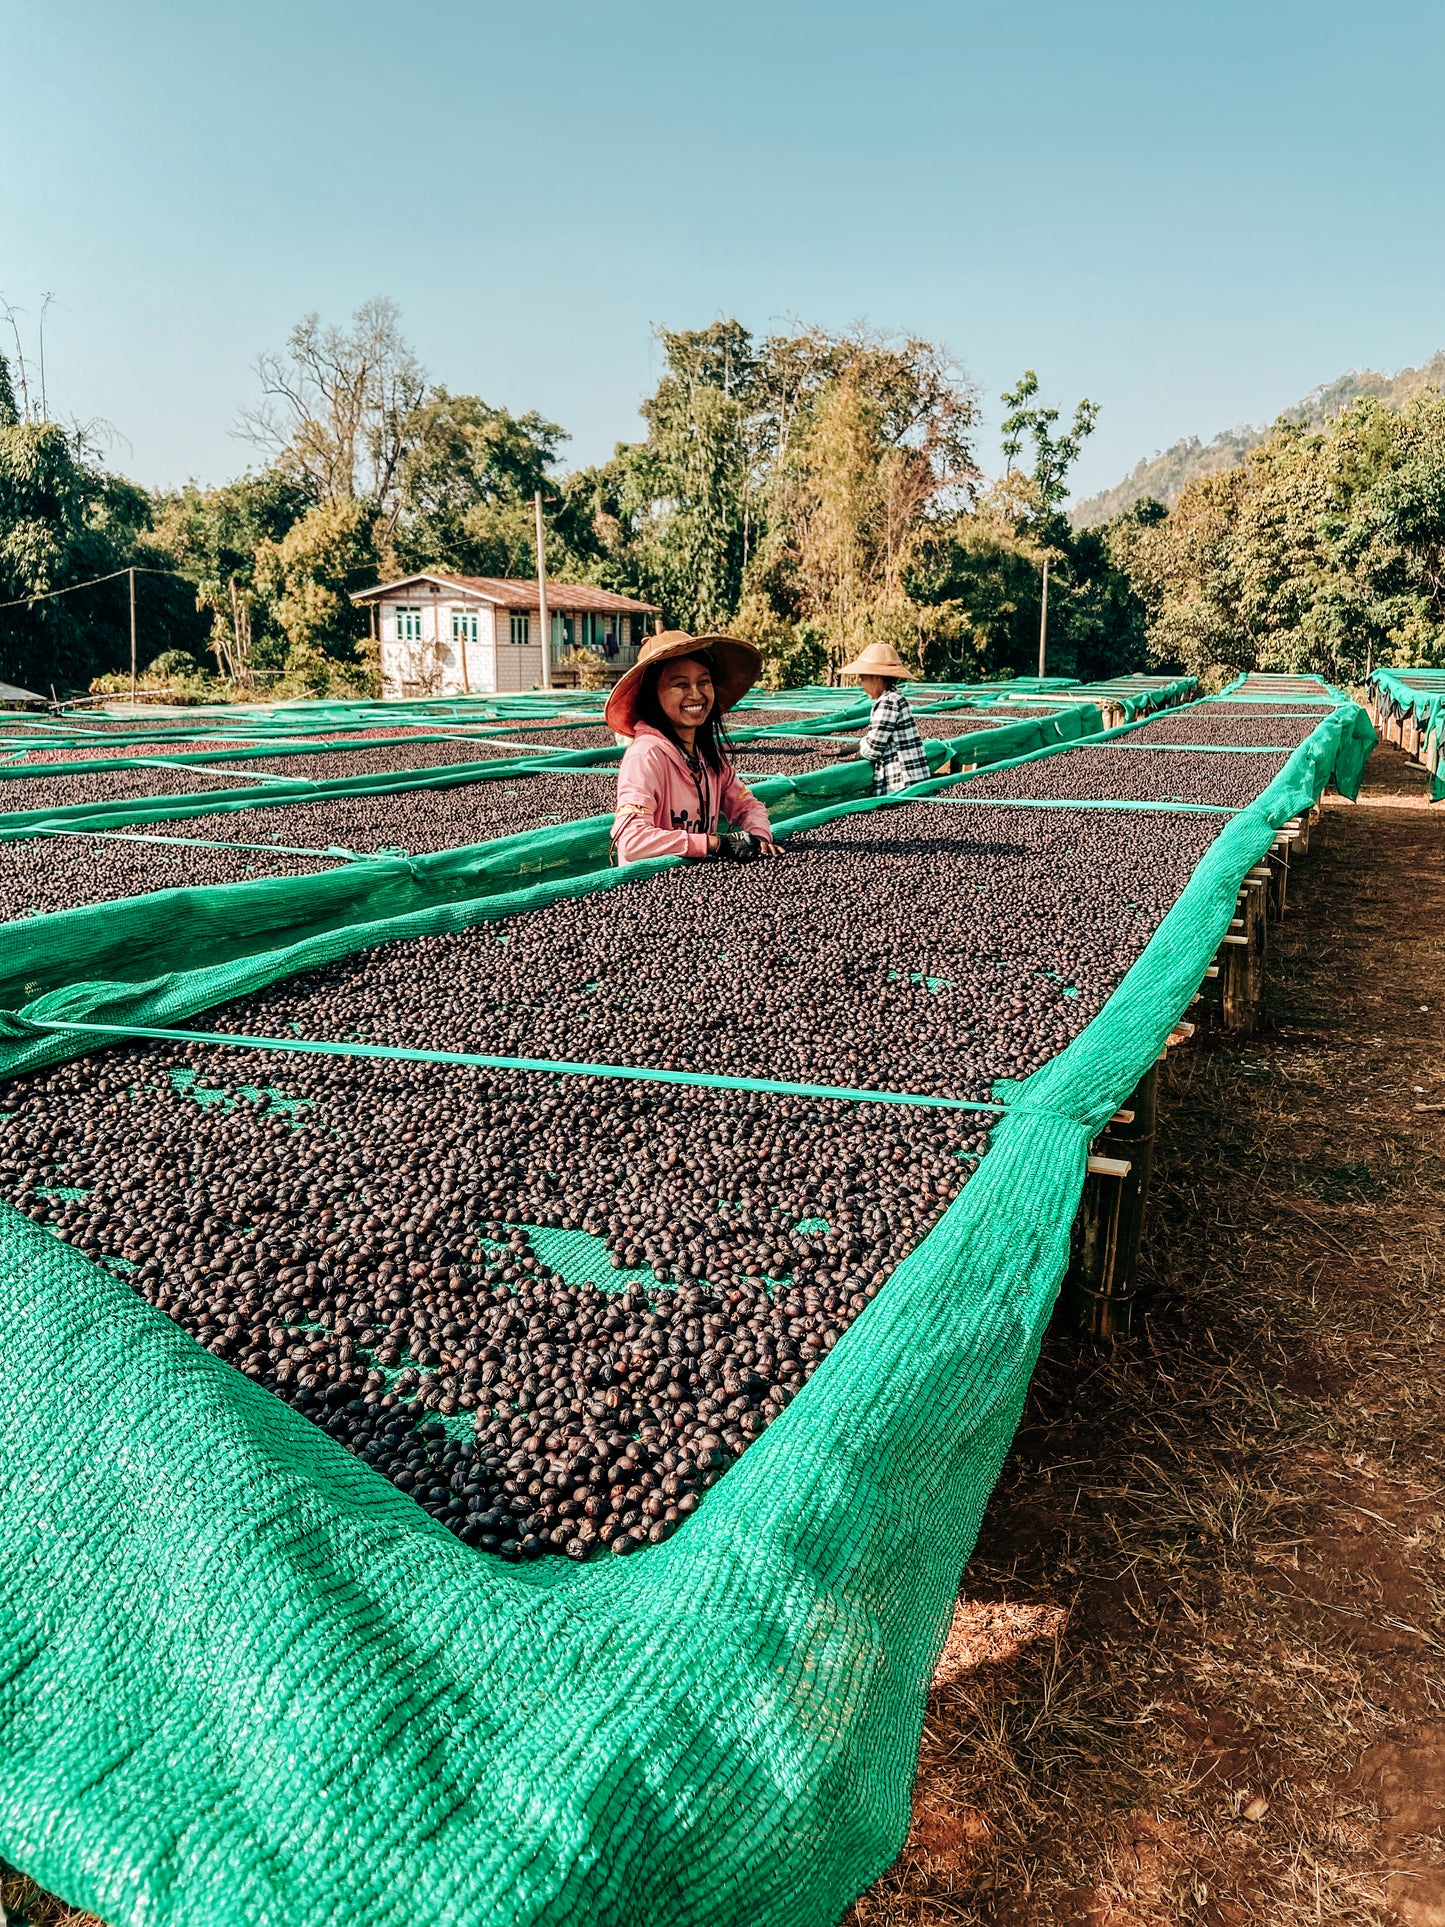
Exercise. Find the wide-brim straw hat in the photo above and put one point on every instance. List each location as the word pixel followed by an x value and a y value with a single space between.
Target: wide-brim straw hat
pixel 878 659
pixel 736 666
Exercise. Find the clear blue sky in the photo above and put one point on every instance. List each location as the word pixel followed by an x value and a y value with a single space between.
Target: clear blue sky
pixel 1191 213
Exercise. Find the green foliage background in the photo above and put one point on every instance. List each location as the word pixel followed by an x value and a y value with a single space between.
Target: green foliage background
pixel 812 490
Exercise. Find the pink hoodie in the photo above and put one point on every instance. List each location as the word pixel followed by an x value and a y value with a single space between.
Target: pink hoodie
pixel 658 802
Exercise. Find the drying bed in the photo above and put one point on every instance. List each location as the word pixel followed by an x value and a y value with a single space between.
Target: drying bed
pixel 113 786
pixel 994 716
pixel 1253 728
pixel 790 755
pixel 43 873
pixel 158 778
pixel 241 734
pixel 1114 772
pixel 35 757
pixel 379 1241
pixel 554 735
pixel 240 1619
pixel 815 968
pixel 57 872
pixel 417 821
pixel 326 766
pixel 738 719
pixel 372 1242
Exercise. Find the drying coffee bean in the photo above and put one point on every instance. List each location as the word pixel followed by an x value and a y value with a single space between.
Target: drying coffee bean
pixel 1254 726
pixel 383 1243
pixel 60 872
pixel 1115 773
pixel 930 948
pixel 337 1242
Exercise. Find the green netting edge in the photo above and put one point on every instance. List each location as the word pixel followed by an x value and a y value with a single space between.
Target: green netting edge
pixel 247 1680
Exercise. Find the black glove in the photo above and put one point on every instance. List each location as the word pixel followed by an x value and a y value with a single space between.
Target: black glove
pixel 737 846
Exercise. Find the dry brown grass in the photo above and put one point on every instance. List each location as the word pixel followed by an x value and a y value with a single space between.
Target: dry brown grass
pixel 1230 1528
pixel 22 1904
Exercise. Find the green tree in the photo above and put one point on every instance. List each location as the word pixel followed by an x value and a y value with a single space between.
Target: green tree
pixel 308 577
pixel 466 486
pixel 1323 551
pixel 686 493
pixel 983 567
pixel 65 522
pixel 1053 455
pixel 341 408
pixel 867 445
pixel 211 536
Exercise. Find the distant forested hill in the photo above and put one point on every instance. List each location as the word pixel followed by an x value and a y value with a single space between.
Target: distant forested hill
pixel 1164 476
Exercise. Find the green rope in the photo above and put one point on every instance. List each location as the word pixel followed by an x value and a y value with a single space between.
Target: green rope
pixel 642 1074
pixel 208 843
pixel 1197 749
pixel 219 770
pixel 1071 803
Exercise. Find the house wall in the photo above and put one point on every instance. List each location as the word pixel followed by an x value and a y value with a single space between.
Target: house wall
pixel 433 666
pixel 517 668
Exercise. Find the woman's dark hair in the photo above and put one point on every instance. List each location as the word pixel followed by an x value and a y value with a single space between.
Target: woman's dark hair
pixel 712 742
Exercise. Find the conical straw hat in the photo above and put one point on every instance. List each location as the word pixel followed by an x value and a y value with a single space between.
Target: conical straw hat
pixel 735 668
pixel 878 659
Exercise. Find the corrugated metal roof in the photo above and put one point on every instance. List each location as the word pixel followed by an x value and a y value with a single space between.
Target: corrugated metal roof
pixel 510 592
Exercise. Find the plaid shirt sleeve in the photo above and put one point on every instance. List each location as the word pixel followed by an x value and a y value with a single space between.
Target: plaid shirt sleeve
pixel 893 746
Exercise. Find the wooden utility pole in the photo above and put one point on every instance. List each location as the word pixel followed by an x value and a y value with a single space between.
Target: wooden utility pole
pixel 131 574
pixel 1044 619
pixel 542 594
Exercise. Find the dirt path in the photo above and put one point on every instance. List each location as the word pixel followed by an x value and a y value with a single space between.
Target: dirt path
pixel 1200 1673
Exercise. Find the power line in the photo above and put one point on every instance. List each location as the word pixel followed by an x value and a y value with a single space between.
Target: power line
pixel 46 595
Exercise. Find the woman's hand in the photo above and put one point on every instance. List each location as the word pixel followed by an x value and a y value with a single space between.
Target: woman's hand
pixel 741 846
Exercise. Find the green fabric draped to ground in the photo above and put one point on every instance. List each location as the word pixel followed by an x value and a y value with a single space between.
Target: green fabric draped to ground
pixel 1419 693
pixel 245 1679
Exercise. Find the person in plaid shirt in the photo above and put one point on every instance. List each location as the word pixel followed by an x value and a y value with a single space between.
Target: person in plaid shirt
pixel 891 742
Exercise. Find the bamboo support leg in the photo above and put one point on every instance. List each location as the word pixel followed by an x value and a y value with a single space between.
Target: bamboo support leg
pixel 1104 1268
pixel 1256 924
pixel 1278 861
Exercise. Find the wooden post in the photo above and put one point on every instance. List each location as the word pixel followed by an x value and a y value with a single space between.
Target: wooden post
pixel 1103 1273
pixel 1044 619
pixel 1255 927
pixel 1241 964
pixel 542 594
pixel 131 573
pixel 1278 861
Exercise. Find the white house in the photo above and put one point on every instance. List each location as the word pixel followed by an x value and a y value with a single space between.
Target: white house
pixel 448 635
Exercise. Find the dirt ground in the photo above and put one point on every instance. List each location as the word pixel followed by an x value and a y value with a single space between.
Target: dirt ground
pixel 1199 1670
pixel 1198 1673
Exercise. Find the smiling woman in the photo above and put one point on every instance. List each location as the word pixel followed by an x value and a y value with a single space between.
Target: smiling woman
pixel 677 781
